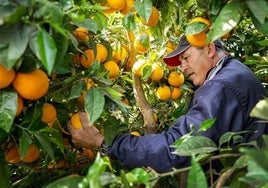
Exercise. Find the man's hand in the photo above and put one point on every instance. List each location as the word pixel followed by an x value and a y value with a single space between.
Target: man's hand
pixel 88 136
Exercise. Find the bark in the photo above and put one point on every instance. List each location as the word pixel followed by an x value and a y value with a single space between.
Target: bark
pixel 150 126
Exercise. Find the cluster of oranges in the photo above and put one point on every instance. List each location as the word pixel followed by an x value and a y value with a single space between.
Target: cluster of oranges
pixel 175 79
pixel 126 6
pixel 29 86
pixel 12 154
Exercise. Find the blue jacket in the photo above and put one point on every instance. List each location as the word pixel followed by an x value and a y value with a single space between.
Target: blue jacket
pixel 229 97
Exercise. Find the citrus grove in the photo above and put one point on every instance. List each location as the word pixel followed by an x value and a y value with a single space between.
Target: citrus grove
pixel 104 57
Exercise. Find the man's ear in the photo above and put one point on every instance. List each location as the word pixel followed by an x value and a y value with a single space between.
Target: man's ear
pixel 211 49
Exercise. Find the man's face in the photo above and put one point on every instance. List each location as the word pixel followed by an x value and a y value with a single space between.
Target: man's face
pixel 196 63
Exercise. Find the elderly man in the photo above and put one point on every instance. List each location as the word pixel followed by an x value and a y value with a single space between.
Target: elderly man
pixel 227 90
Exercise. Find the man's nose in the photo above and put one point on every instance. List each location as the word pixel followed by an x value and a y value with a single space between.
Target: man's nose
pixel 183 66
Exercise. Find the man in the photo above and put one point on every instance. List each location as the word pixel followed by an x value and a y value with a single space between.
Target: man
pixel 227 90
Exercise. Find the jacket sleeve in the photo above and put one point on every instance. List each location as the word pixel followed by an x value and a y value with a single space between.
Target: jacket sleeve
pixel 153 150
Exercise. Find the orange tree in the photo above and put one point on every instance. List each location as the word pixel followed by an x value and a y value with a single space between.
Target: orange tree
pixel 83 53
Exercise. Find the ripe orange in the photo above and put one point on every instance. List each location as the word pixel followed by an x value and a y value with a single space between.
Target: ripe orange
pixel 138 66
pixel 199 39
pixel 154 18
pixel 128 6
pixel 81 34
pixel 112 68
pixel 101 53
pixel 31 86
pixel 12 155
pixel 76 121
pixel 76 59
pixel 7 76
pixel 116 5
pixel 87 58
pixel 157 72
pixel 20 106
pixel 49 113
pixel 175 93
pixel 32 154
pixel 119 53
pixel 170 46
pixel 141 43
pixel 163 92
pixel 175 78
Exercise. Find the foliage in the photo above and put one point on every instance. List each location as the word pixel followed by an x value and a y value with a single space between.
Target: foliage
pixel 39 34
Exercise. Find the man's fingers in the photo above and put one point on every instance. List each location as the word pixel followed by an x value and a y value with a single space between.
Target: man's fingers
pixel 84 119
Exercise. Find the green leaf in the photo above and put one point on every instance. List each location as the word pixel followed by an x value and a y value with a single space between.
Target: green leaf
pixel 43 140
pixel 205 125
pixel 228 136
pixel 13 44
pixel 141 175
pixel 260 110
pixel 259 9
pixel 92 25
pixel 46 50
pixel 143 8
pixel 195 27
pixel 5 176
pixel 25 142
pixel 195 145
pixel 196 177
pixel 241 162
pixel 129 22
pixel 256 176
pixel 94 104
pixel 228 18
pixel 53 135
pixel 8 108
pixel 68 181
pixel 11 14
pixel 77 89
pixel 147 71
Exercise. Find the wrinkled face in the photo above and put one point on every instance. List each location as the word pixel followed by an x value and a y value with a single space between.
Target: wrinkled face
pixel 196 62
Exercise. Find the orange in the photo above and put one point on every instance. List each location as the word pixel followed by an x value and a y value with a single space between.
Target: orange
pixel 76 121
pixel 163 92
pixel 138 66
pixel 87 58
pixel 175 93
pixel 32 154
pixel 6 76
pixel 112 68
pixel 170 46
pixel 141 43
pixel 128 6
pixel 175 78
pixel 153 19
pixel 157 72
pixel 49 113
pixel 20 106
pixel 120 53
pixel 31 86
pixel 12 155
pixel 81 34
pixel 101 53
pixel 116 5
pixel 135 133
pixel 199 39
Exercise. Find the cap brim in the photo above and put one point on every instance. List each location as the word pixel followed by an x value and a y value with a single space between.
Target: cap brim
pixel 172 59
